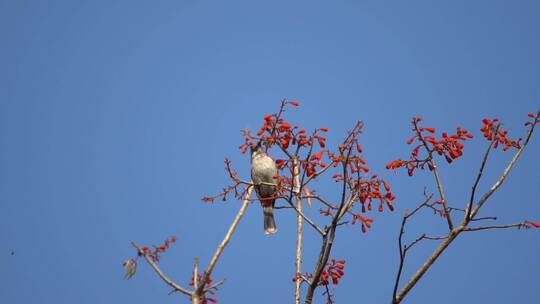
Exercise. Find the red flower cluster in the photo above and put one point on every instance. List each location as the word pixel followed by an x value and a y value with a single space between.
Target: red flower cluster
pixel 364 220
pixel 154 254
pixel 311 164
pixel 491 129
pixel 357 163
pixel 212 291
pixel 334 271
pixel 276 130
pixel 370 190
pixel 449 146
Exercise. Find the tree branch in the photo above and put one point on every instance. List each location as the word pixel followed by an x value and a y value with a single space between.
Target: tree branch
pixel 518 225
pixel 299 212
pixel 330 231
pixel 160 273
pixel 452 235
pixel 427 264
pixel 505 173
pixel 402 250
pixel 299 229
pixel 437 176
pixel 421 238
pixel 479 176
pixel 223 243
pixel 442 194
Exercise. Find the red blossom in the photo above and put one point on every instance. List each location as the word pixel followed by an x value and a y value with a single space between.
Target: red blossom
pixel 317 156
pixel 333 273
pixel 492 131
pixel 154 254
pixel 365 221
pixel 280 163
pixel 293 103
pixel 531 224
pixel 448 146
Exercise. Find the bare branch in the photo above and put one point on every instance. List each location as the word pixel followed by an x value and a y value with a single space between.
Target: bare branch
pixel 518 225
pixel 423 204
pixel 299 229
pixel 196 273
pixel 322 200
pixel 307 219
pixel 456 209
pixel 329 299
pixel 223 243
pixel 401 257
pixel 494 218
pixel 442 194
pixel 427 264
pixel 402 249
pixel 215 285
pixel 283 207
pixel 421 238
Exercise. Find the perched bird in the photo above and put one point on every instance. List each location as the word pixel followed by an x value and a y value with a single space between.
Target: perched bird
pixel 263 172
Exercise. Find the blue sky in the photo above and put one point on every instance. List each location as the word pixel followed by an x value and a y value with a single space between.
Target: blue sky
pixel 115 118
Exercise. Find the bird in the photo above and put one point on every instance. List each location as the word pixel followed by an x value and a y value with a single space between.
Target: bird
pixel 263 176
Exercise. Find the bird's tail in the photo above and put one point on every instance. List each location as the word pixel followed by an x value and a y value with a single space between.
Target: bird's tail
pixel 269 222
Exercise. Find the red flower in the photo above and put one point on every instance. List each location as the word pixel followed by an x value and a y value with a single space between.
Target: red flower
pixel 317 156
pixel 528 224
pixel 294 103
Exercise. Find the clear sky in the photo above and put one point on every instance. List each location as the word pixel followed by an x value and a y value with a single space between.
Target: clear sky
pixel 115 118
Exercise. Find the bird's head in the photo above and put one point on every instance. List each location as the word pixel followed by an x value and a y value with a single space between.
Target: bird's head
pixel 257 150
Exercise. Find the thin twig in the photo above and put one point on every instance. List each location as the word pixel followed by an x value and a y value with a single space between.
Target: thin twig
pixel 328 295
pixel 518 225
pixel 494 218
pixel 215 285
pixel 423 237
pixel 424 203
pixel 305 217
pixel 160 273
pixel 322 200
pixel 402 250
pixel 479 176
pixel 401 258
pixel 441 192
